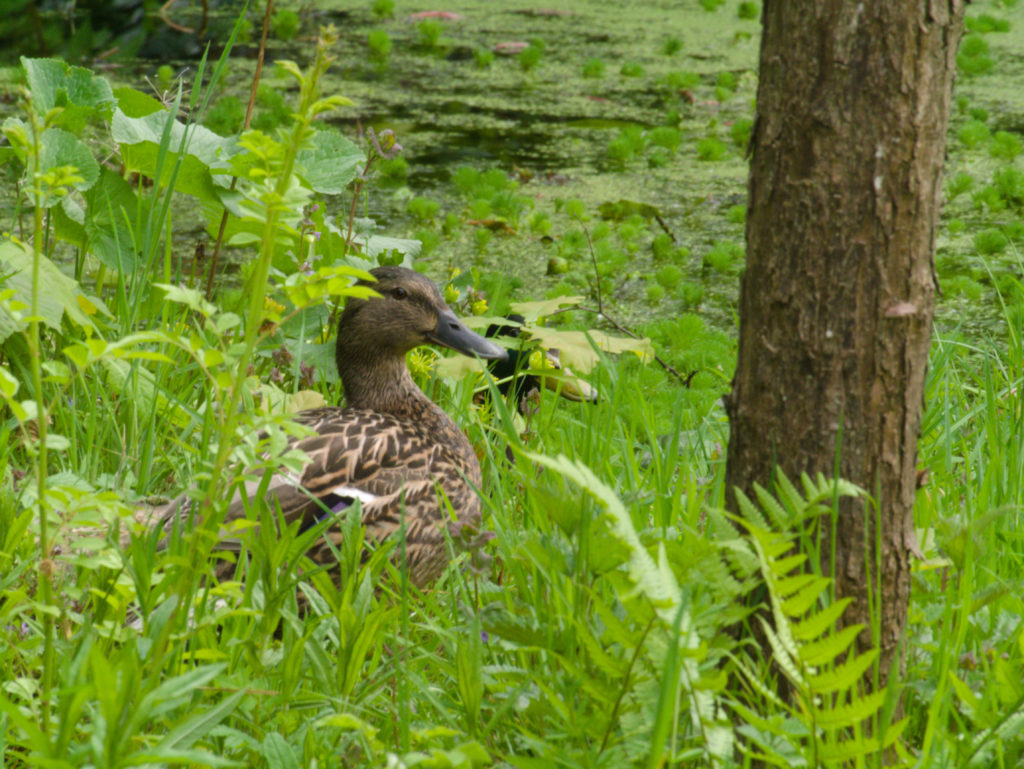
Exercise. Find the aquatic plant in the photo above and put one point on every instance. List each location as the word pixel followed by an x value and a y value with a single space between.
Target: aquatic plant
pixel 379 42
pixel 593 68
pixel 383 9
pixel 710 149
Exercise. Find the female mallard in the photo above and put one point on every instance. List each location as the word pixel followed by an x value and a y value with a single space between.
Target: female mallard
pixel 391 447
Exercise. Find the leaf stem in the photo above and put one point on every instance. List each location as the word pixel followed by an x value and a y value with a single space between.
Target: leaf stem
pixel 36 366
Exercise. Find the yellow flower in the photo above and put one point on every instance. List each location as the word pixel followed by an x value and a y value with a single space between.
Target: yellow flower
pixel 272 309
pixel 421 361
pixel 479 307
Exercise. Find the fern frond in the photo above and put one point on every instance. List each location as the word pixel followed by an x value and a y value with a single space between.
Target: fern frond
pixel 749 512
pixel 849 750
pixel 777 514
pixel 801 601
pixel 843 677
pixel 784 656
pixel 851 714
pixel 827 650
pixel 814 627
pixel 788 587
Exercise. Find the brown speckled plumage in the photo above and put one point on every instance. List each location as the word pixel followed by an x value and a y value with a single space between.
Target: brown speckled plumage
pixel 390 441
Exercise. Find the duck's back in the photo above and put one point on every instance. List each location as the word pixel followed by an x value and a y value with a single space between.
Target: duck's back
pixel 409 467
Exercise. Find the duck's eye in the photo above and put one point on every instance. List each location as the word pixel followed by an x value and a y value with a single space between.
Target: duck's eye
pixel 399 293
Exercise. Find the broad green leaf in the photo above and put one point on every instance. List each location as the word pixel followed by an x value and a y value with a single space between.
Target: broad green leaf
pixel 110 217
pixel 136 103
pixel 375 245
pixel 60 296
pixel 531 311
pixel 458 366
pixel 330 164
pixel 190 297
pixel 575 349
pixel 62 149
pixel 56 442
pixel 304 400
pixel 77 90
pixel 8 383
pixel 68 222
pixel 140 139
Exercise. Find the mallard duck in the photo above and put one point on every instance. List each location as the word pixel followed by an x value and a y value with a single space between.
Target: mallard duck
pixel 514 384
pixel 390 446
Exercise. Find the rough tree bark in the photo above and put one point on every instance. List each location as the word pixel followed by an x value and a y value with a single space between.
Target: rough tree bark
pixel 837 300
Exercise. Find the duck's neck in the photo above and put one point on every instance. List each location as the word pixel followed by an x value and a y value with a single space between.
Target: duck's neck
pixel 384 385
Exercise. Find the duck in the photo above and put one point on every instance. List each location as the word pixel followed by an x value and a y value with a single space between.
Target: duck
pixel 390 446
pixel 511 373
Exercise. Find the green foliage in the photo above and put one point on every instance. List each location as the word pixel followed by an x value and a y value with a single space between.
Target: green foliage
pixel 423 209
pixel 226 116
pixel 430 33
pixel 483 57
pixel 540 223
pixel 655 293
pixel 491 194
pixel 679 81
pixel 383 9
pixel 669 276
pixel 665 136
pixel 530 56
pixel 285 24
pixel 711 149
pixel 985 23
pixel 379 42
pixel 570 648
pixel 1009 183
pixel 972 133
pixel 724 256
pixel 394 169
pixel 593 68
pixel 963 285
pixel 973 58
pixel 671 46
pixel 632 69
pixel 959 184
pixel 661 246
pixel 829 719
pixel 1005 146
pixel 748 10
pixel 272 109
pixel 990 242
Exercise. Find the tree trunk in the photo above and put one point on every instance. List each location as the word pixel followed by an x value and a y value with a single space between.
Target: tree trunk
pixel 837 300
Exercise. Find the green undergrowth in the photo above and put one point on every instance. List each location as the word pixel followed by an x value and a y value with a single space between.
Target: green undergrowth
pixel 608 620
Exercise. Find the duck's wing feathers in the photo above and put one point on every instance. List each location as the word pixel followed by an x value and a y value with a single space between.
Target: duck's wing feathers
pixel 355 454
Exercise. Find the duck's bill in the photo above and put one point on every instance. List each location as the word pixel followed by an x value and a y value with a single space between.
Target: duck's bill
pixel 567 384
pixel 451 333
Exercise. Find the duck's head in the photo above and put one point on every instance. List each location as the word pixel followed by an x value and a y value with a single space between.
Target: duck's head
pixel 408 313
